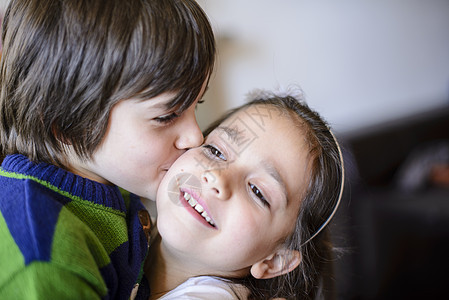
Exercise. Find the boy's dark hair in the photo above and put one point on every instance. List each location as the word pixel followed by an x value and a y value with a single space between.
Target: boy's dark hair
pixel 317 207
pixel 65 64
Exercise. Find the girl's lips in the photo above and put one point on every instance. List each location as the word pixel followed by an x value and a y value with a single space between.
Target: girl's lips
pixel 196 207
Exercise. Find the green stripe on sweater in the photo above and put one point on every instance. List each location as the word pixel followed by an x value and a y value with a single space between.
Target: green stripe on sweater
pixel 12 260
pixel 109 227
pixel 78 249
pixel 59 283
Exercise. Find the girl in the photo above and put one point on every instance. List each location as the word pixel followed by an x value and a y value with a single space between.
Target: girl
pixel 243 216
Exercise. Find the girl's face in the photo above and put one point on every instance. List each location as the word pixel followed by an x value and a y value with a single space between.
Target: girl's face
pixel 228 204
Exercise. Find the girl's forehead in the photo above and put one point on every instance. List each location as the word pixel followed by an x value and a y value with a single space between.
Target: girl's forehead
pixel 257 120
pixel 254 116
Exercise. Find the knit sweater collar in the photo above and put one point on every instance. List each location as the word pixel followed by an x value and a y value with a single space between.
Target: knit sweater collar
pixel 64 181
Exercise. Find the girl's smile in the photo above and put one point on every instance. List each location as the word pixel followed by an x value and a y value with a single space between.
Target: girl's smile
pixel 196 206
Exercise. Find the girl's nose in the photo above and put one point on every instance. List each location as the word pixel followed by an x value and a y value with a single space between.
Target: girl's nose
pixel 216 182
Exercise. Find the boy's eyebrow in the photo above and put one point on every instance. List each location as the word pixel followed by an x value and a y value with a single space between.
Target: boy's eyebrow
pixel 161 106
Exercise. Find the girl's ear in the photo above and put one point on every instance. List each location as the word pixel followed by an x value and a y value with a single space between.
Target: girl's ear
pixel 280 262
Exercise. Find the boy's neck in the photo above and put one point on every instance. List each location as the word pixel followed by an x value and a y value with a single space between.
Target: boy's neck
pixel 163 272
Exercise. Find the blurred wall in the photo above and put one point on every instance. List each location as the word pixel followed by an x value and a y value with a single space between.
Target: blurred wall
pixel 360 62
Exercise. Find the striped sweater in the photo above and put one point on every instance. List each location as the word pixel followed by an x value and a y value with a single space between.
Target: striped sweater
pixel 66 237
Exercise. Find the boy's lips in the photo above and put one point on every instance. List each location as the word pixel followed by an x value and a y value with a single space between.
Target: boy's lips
pixel 166 166
pixel 197 207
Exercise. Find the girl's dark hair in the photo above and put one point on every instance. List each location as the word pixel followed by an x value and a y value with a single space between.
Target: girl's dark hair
pixel 317 206
pixel 65 64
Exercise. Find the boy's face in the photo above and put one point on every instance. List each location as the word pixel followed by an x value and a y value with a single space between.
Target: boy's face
pixel 249 177
pixel 142 141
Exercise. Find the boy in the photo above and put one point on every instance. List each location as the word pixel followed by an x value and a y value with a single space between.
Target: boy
pixel 94 95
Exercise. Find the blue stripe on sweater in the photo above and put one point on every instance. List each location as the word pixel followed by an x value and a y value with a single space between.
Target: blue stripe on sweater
pixel 32 225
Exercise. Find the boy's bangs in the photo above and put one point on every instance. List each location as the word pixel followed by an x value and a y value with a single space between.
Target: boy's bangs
pixel 177 61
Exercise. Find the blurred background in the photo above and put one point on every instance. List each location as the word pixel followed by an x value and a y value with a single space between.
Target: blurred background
pixel 359 62
pixel 378 71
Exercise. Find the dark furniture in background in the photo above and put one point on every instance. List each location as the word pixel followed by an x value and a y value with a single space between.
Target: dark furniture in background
pixel 395 243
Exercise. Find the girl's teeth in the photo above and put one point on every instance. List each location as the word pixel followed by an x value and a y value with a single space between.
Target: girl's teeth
pixel 208 219
pixel 193 203
pixel 199 208
pixel 189 199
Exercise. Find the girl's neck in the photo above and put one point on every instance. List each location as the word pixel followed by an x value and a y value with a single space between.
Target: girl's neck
pixel 162 271
pixel 165 271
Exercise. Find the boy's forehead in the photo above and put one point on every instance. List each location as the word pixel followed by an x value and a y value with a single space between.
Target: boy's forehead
pixel 161 102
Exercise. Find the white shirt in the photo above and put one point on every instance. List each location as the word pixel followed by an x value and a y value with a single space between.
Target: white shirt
pixel 206 288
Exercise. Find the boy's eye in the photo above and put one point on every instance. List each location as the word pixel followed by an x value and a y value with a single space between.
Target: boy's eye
pixel 214 152
pixel 259 194
pixel 166 118
pixel 198 103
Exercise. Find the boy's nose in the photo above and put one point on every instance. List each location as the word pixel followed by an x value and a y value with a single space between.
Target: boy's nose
pixel 215 181
pixel 190 135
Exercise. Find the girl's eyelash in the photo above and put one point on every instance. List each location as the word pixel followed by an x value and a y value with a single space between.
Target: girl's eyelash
pixel 166 118
pixel 212 151
pixel 259 194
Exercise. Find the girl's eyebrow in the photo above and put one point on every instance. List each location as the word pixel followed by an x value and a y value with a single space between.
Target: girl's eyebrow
pixel 233 134
pixel 273 172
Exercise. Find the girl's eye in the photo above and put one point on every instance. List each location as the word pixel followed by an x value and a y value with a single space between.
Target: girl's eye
pixel 259 194
pixel 166 118
pixel 214 152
